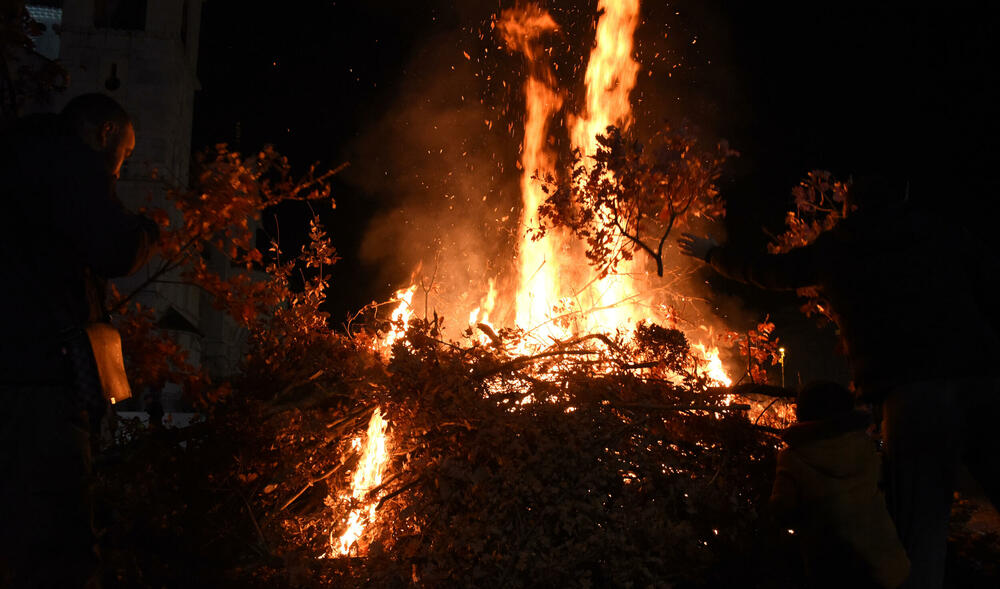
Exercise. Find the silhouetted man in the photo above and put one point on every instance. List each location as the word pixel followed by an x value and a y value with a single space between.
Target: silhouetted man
pixel 63 232
pixel 905 289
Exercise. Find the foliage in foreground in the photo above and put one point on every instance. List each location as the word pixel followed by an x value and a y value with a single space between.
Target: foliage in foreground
pixel 602 461
pixel 274 296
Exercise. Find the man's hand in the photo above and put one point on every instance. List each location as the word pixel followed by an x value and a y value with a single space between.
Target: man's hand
pixel 696 246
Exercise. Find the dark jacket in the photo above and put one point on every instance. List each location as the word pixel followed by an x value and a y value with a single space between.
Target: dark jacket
pixel 826 487
pixel 904 288
pixel 63 233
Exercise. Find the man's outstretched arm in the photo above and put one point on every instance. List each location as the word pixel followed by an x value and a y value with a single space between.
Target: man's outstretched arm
pixel 795 269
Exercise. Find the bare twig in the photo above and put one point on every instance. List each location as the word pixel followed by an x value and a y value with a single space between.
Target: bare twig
pixel 398 492
pixel 256 526
pixel 309 485
pixel 491 333
pixel 773 401
pixel 654 407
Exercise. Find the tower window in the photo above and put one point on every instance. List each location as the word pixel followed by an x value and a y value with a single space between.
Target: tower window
pixel 126 15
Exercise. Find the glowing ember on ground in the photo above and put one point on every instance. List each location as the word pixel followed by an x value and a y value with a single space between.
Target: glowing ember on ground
pixel 367 476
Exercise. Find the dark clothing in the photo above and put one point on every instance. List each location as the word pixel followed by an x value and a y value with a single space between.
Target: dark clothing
pixel 931 427
pixel 47 537
pixel 914 299
pixel 826 487
pixel 903 286
pixel 63 232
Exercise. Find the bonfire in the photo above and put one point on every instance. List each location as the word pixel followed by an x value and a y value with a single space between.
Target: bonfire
pixel 574 422
pixel 562 345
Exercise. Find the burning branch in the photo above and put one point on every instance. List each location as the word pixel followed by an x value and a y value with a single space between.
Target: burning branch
pixel 625 198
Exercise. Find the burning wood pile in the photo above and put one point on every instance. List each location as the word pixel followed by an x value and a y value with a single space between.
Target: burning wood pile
pixel 598 461
pixel 573 435
pixel 584 445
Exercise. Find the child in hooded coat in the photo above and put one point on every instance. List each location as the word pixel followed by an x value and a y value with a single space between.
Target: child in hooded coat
pixel 826 488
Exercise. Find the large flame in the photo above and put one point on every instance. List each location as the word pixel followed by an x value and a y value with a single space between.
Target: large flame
pixel 555 280
pixel 610 78
pixel 538 261
pixel 367 476
pixel 558 293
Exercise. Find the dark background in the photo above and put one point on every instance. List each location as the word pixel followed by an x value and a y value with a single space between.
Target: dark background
pixel 893 90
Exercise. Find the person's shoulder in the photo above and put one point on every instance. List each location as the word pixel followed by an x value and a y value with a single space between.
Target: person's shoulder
pixel 789 459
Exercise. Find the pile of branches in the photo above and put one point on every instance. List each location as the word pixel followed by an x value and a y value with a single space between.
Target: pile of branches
pixel 597 462
pixel 600 461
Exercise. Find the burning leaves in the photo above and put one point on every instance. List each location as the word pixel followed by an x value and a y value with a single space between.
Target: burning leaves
pixel 367 476
pixel 615 475
pixel 625 199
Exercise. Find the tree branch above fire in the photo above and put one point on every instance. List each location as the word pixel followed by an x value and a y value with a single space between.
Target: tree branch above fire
pixel 629 197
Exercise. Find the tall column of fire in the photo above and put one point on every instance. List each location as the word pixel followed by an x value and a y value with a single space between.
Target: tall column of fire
pixel 610 77
pixel 554 270
pixel 538 261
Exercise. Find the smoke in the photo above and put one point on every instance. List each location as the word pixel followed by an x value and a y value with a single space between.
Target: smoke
pixel 444 172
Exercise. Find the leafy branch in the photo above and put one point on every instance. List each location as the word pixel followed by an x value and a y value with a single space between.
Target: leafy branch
pixel 627 198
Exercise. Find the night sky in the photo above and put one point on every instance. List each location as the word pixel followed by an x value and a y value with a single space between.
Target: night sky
pixel 894 90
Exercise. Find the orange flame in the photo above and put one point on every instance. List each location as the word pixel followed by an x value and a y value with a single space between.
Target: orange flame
pixel 558 294
pixel 555 296
pixel 710 364
pixel 610 78
pixel 367 477
pixel 538 261
pixel 400 319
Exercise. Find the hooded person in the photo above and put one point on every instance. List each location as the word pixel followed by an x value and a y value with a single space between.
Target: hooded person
pixel 827 488
pixel 913 295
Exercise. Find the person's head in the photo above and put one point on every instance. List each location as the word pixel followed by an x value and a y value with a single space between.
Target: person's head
pixel 823 400
pixel 104 126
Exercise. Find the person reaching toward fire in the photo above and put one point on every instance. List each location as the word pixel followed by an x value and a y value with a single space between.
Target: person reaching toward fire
pixel 63 233
pixel 906 289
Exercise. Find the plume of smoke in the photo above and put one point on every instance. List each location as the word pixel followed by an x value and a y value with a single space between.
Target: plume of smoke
pixel 447 185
